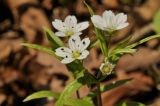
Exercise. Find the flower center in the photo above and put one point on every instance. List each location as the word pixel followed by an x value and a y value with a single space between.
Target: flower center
pixel 107 69
pixel 69 33
pixel 76 54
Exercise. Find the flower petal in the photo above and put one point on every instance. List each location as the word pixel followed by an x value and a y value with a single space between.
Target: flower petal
pixel 58 24
pixel 101 66
pixel 74 42
pixel 67 60
pixel 70 21
pixel 84 54
pixel 63 52
pixel 122 25
pixel 84 44
pixel 81 26
pixel 77 34
pixel 98 22
pixel 60 34
pixel 121 18
pixel 107 14
pixel 110 20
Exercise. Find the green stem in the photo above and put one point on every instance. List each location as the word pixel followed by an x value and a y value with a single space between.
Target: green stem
pixel 102 42
pixel 99 98
pixel 108 45
pixel 78 95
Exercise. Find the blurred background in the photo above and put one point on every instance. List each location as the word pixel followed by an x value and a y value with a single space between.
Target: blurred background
pixel 24 71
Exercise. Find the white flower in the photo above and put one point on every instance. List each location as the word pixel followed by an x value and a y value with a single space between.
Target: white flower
pixel 109 21
pixel 106 68
pixel 69 27
pixel 77 50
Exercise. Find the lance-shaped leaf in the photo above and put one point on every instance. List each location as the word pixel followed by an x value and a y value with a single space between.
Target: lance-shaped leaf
pixel 121 51
pixel 89 78
pixel 53 39
pixel 42 94
pixel 130 103
pixel 143 41
pixel 40 48
pixel 89 8
pixel 114 85
pixel 109 87
pixel 123 43
pixel 68 91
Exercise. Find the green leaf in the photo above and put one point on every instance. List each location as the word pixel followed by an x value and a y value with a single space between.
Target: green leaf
pixel 75 68
pixel 41 48
pixel 123 43
pixel 105 76
pixel 130 103
pixel 69 90
pixel 143 41
pixel 89 8
pixel 89 78
pixel 114 85
pixel 156 22
pixel 41 94
pixel 54 40
pixel 92 94
pixel 89 99
pixel 121 51
pixel 77 102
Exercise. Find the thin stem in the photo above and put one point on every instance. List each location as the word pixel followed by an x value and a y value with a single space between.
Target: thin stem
pixel 108 44
pixel 78 95
pixel 99 98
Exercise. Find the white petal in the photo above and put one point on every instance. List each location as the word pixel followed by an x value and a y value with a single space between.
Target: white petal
pixel 67 60
pixel 121 18
pixel 110 20
pixel 84 54
pixel 74 41
pixel 58 24
pixel 107 14
pixel 77 34
pixel 122 26
pixel 84 44
pixel 63 52
pixel 98 22
pixel 60 34
pixel 81 26
pixel 101 66
pixel 70 21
